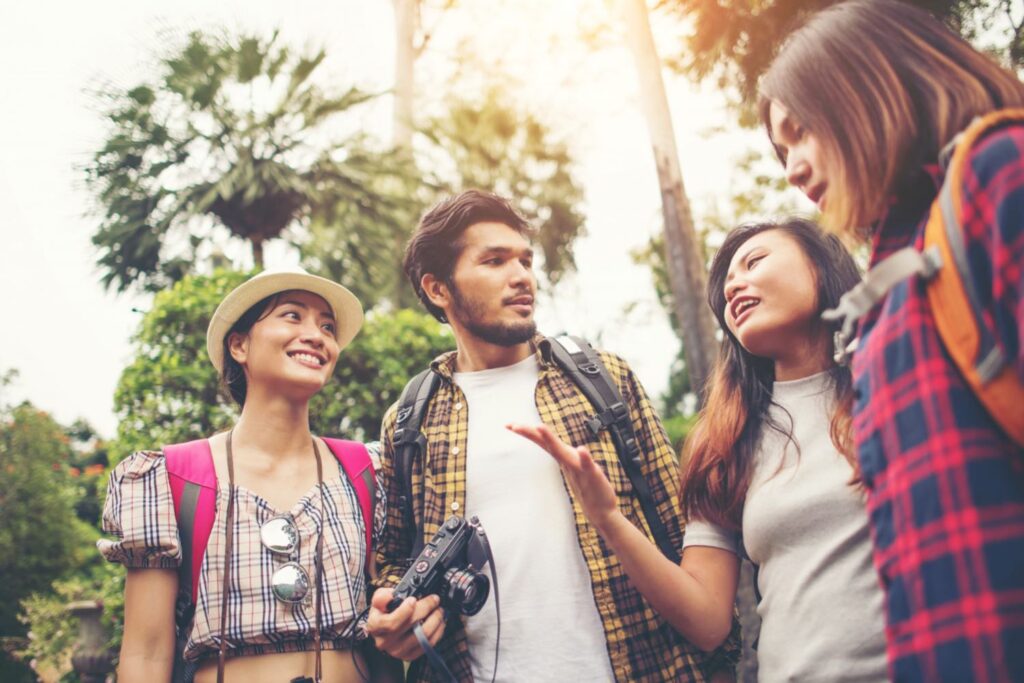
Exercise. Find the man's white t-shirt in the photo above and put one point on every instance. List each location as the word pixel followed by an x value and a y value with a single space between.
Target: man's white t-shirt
pixel 550 627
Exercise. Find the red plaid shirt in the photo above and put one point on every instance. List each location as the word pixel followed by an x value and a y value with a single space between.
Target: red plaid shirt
pixel 945 484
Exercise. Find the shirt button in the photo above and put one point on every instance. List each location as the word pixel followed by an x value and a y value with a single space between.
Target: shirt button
pixel 458 406
pixel 455 450
pixel 455 506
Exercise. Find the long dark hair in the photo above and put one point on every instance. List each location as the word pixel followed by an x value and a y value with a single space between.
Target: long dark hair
pixel 720 450
pixel 233 375
pixel 884 86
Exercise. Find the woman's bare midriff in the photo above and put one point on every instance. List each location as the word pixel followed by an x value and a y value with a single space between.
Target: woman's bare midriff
pixel 338 667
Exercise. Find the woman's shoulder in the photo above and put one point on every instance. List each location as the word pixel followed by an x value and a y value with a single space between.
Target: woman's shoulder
pixel 992 153
pixel 992 189
pixel 139 465
pixel 702 532
pixel 341 448
pixel 139 514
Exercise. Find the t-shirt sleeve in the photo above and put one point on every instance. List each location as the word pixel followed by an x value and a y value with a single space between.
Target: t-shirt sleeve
pixel 699 532
pixel 139 515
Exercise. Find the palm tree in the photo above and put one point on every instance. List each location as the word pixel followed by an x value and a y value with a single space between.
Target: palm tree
pixel 234 134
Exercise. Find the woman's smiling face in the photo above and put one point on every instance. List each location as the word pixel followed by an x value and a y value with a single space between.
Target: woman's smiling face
pixel 771 295
pixel 293 343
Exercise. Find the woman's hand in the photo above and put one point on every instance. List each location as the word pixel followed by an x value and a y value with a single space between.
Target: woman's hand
pixel 696 597
pixel 589 484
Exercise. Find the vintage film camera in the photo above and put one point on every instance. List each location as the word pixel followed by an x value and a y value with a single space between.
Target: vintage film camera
pixel 450 566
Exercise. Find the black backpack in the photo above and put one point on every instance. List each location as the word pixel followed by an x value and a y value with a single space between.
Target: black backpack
pixel 580 361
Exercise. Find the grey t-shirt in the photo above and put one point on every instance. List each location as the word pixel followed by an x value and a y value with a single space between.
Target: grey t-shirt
pixel 807 530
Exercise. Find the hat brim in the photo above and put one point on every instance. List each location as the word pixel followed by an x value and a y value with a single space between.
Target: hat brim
pixel 348 312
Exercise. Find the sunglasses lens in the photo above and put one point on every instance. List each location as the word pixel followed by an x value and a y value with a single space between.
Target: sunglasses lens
pixel 290 583
pixel 279 535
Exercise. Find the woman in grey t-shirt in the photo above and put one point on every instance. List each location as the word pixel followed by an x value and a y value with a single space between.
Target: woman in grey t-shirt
pixel 770 471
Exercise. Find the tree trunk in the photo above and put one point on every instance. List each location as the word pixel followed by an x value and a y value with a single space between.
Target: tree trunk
pixel 257 252
pixel 686 269
pixel 406 16
pixel 683 255
pixel 405 60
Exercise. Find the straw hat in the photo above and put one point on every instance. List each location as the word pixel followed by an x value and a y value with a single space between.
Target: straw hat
pixel 348 312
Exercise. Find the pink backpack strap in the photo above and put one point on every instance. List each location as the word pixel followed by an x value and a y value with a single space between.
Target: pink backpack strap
pixel 355 460
pixel 194 489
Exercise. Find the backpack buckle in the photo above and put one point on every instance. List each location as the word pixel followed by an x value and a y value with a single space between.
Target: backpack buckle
pixel 608 418
pixel 931 260
pixel 590 369
pixel 410 437
pixel 405 436
pixel 618 411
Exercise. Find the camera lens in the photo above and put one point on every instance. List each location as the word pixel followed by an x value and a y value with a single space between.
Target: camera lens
pixel 467 589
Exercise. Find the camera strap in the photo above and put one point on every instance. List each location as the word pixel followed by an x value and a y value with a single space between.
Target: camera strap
pixel 432 656
pixel 483 546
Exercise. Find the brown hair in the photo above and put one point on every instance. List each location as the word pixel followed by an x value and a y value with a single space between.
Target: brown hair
pixel 884 86
pixel 437 242
pixel 719 452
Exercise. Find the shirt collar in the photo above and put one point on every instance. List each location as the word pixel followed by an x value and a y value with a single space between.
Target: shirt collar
pixel 444 365
pixel 898 226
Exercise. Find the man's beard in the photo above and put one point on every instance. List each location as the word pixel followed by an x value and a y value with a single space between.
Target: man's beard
pixel 468 312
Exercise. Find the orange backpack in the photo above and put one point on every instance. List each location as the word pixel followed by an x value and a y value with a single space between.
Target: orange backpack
pixel 944 265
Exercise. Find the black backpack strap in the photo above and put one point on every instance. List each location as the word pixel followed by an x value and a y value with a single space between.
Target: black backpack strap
pixel 370 482
pixel 184 607
pixel 582 363
pixel 186 532
pixel 410 443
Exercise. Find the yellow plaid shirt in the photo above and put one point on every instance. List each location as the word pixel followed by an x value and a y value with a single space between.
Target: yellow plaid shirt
pixel 642 647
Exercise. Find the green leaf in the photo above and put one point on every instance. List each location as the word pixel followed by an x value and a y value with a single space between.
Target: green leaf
pixel 250 60
pixel 143 95
pixel 303 69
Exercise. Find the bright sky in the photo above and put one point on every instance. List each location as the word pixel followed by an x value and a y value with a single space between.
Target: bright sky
pixel 69 339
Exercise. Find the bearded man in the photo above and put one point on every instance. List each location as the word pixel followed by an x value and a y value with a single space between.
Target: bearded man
pixel 568 611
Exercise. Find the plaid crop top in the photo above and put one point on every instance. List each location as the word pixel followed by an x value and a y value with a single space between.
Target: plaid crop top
pixel 139 514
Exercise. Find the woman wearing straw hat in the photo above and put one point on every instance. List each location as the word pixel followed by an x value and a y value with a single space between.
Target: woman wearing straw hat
pixel 288 522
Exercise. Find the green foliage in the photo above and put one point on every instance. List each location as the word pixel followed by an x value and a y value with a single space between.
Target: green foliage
pixel 49 474
pixel 678 428
pixel 361 249
pixel 170 391
pixel 495 145
pixel 734 41
pixel 233 133
pixel 373 369
pixel 40 538
pixel 52 630
pixel 488 143
pixel 88 470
